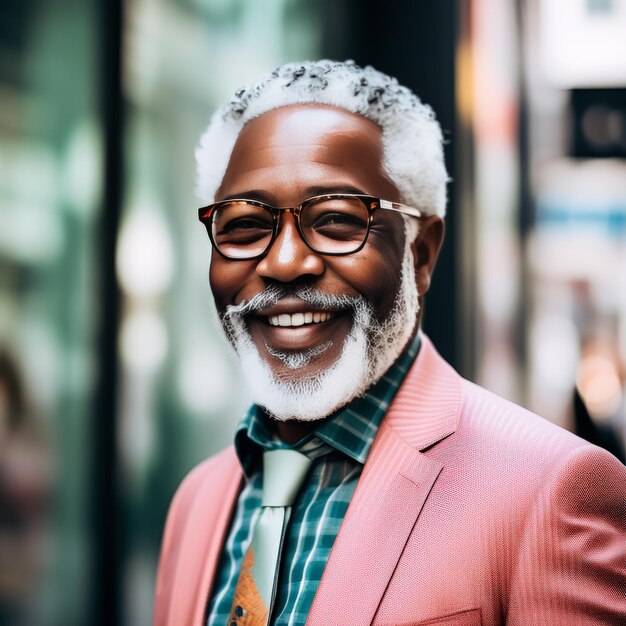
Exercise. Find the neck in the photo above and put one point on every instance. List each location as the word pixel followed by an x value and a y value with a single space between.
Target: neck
pixel 291 431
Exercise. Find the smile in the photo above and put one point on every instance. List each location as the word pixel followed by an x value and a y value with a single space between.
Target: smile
pixel 299 319
pixel 294 334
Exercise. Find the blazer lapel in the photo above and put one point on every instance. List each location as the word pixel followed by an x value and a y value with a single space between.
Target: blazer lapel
pixel 392 490
pixel 381 515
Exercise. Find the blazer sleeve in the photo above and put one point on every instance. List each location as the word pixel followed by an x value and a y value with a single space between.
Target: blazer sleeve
pixel 171 543
pixel 571 564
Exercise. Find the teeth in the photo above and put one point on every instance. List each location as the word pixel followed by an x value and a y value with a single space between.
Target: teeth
pixel 299 319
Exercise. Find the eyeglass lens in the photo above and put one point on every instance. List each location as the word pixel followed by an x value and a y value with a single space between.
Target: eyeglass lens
pixel 329 225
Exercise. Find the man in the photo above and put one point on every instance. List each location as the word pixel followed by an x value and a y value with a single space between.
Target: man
pixel 428 500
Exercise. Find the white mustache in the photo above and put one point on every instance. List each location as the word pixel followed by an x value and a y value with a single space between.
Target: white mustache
pixel 274 294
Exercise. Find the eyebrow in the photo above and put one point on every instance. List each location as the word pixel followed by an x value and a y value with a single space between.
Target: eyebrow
pixel 321 190
pixel 315 190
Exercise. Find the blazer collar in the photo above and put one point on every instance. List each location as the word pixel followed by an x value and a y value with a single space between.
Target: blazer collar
pixel 426 407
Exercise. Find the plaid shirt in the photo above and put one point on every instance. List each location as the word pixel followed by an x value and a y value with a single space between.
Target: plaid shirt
pixel 339 448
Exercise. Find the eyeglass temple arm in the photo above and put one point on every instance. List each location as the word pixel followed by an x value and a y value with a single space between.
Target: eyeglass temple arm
pixel 401 208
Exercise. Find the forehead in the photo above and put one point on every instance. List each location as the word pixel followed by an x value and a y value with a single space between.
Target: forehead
pixel 292 149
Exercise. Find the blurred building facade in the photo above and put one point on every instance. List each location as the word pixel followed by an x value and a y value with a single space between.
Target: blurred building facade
pixel 105 307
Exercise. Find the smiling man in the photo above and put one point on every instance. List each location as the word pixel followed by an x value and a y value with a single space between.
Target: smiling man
pixel 369 483
pixel 314 328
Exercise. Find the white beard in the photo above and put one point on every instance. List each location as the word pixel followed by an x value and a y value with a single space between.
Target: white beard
pixel 369 350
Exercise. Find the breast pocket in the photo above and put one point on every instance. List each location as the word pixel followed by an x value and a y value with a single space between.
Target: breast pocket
pixel 470 617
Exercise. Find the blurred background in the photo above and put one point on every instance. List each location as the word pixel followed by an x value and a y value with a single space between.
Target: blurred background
pixel 114 380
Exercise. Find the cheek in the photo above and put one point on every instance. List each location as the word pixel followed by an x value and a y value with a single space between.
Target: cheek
pixel 228 279
pixel 388 251
pixel 384 286
pixel 375 276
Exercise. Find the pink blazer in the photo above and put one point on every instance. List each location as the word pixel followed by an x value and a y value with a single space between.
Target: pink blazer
pixel 470 511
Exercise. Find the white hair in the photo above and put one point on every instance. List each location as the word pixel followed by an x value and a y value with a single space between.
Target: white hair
pixel 412 138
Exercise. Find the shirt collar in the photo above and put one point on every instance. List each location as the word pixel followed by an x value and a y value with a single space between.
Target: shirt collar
pixel 351 431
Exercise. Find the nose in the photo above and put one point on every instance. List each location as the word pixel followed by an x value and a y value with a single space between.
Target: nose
pixel 289 258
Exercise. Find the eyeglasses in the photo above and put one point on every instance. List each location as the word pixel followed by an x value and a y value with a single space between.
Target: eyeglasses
pixel 333 224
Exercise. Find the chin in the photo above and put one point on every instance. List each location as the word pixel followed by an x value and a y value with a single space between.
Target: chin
pixel 307 393
pixel 293 366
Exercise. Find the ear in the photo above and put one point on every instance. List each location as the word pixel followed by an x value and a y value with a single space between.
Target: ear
pixel 425 250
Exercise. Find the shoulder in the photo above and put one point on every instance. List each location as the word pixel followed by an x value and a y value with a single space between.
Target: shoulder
pixel 221 462
pixel 467 426
pixel 223 465
pixel 497 443
pixel 502 420
pixel 204 484
pixel 499 423
pixel 535 458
